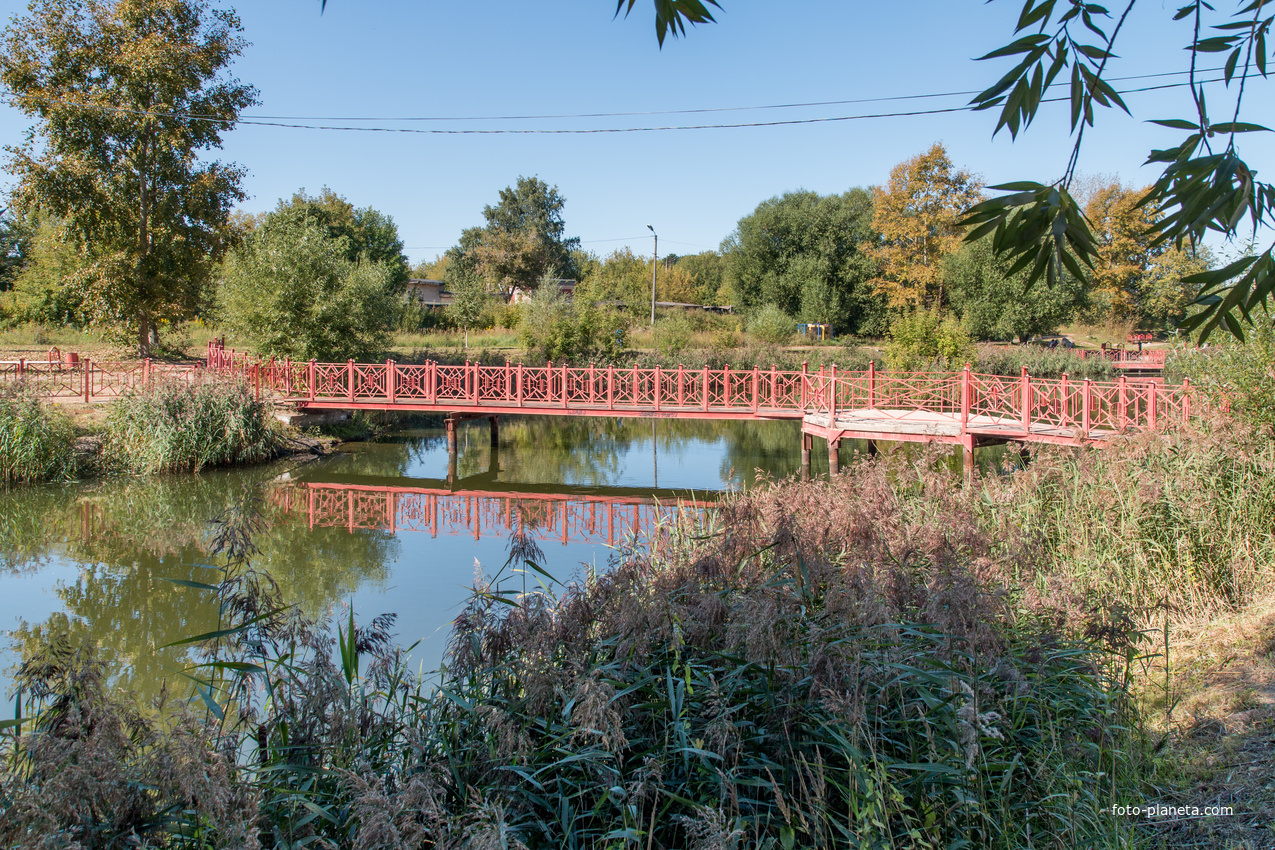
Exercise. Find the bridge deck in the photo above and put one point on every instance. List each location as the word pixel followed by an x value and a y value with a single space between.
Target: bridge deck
pixel 929 426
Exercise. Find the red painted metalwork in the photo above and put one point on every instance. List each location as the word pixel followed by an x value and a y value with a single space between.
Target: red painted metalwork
pixel 85 379
pixel 547 516
pixel 988 406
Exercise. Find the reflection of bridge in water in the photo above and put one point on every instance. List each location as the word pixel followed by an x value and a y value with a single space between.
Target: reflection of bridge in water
pixel 607 515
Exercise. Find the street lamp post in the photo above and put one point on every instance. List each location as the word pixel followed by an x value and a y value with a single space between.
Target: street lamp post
pixel 654 271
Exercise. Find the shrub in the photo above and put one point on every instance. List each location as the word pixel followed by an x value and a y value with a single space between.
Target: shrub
pixel 927 339
pixel 176 426
pixel 1236 376
pixel 673 334
pixel 1042 362
pixel 772 325
pixel 36 442
pixel 291 289
pixel 559 328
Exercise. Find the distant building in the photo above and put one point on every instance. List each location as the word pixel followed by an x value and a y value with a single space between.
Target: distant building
pixel 566 288
pixel 428 292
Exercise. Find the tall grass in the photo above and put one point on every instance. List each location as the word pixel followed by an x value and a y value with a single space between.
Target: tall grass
pixel 176 426
pixel 36 442
pixel 1041 362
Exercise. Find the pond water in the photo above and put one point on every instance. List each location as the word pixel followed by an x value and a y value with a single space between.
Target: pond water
pixel 378 525
pixel 385 526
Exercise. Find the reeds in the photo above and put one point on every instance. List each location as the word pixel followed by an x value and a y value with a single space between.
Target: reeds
pixel 36 442
pixel 175 426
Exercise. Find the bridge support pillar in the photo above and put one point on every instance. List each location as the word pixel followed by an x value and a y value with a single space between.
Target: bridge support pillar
pixel 450 424
pixel 834 457
pixel 967 456
pixel 807 443
pixel 872 448
pixel 495 431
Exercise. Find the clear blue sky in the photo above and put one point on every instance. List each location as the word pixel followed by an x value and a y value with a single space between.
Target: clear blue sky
pixel 417 59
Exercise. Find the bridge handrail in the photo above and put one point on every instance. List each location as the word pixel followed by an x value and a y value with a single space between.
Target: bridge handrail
pixel 87 379
pixel 979 400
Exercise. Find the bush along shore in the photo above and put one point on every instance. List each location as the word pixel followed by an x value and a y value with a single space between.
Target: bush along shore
pixel 170 426
pixel 892 658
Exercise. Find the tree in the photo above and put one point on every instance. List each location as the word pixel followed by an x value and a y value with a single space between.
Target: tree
pixel 1205 185
pixel 706 270
pixel 1136 278
pixel 44 289
pixel 993 304
pixel 15 243
pixel 917 215
pixel 805 254
pixel 293 290
pixel 370 234
pixel 126 95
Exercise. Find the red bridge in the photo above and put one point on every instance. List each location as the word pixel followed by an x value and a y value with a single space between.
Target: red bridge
pixel 566 518
pixel 963 408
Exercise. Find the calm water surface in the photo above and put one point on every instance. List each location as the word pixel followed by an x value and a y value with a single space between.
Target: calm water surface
pixel 384 526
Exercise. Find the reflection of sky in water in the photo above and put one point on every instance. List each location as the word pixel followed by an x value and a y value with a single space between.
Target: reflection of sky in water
pixel 96 554
pixel 424 579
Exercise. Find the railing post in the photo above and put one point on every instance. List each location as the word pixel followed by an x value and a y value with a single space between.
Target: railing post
pixel 805 385
pixel 1085 399
pixel 872 384
pixel 287 375
pixel 659 386
pixel 564 384
pixel 681 385
pixel 726 386
pixel 518 384
pixel 593 383
pixel 1064 401
pixel 431 380
pixel 1186 400
pixel 965 399
pixel 22 367
pixel 1025 400
pixel 146 372
pixel 704 396
pixel 389 381
pixel 831 400
pixel 756 386
pixel 256 378
pixel 1152 412
pixel 1122 403
pixel 637 386
pixel 774 387
pixel 610 387
pixel 349 378
pixel 312 377
pixel 88 379
pixel 478 375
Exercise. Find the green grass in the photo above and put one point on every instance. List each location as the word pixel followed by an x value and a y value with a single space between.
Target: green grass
pixel 178 426
pixel 37 443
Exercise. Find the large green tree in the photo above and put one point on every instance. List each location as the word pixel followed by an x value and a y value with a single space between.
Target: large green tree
pixel 369 233
pixel 292 289
pixel 805 254
pixel 994 304
pixel 523 241
pixel 126 96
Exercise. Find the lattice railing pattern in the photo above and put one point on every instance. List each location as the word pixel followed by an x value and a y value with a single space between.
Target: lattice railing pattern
pixel 997 404
pixel 566 519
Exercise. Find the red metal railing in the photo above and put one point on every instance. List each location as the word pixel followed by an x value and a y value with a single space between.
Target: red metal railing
pixel 86 379
pixel 992 404
pixel 567 519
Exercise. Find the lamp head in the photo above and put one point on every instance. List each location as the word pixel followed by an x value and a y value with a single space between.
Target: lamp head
pixel 652 229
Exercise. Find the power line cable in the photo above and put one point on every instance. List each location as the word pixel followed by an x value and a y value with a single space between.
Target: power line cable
pixel 698 111
pixel 588 130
